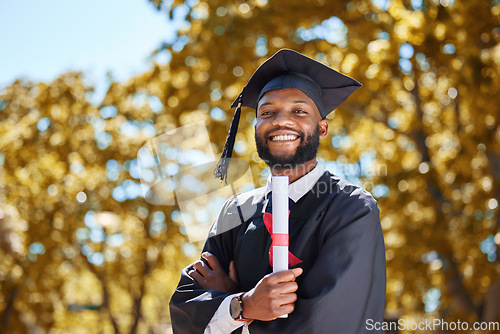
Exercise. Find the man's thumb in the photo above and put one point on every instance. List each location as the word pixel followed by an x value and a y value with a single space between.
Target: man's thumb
pixel 297 271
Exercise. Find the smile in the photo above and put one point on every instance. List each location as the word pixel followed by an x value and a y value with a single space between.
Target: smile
pixel 284 137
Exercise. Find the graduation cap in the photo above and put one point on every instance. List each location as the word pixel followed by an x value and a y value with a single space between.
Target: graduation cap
pixel 288 69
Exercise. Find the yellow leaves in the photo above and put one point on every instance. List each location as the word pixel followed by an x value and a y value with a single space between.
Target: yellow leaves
pixel 57 113
pixel 377 52
pixel 440 31
pixel 133 226
pixel 194 116
pixel 373 69
pixel 494 54
pixel 196 27
pixel 386 222
pixel 495 10
pixel 479 161
pixel 409 84
pixel 201 11
pixel 41 173
pixel 408 23
pixel 23 174
pixel 72 185
pixel 421 215
pixel 277 42
pixel 83 289
pixel 12 240
pixel 486 183
pixel 49 164
pixel 172 101
pixel 393 239
pixel 261 3
pixel 350 61
pixel 388 151
pixel 16 272
pixel 109 221
pixel 200 77
pixel 388 134
pixel 445 147
pixel 57 139
pixel 180 79
pixel 416 19
pixel 485 281
pixel 409 161
pixel 244 10
pixel 397 10
pixel 232 91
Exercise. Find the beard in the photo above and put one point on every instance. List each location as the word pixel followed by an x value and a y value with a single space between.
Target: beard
pixel 306 151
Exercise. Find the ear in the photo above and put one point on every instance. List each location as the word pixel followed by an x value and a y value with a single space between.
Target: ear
pixel 323 128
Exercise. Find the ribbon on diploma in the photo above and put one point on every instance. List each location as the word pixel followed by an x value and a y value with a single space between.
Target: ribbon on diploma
pixel 278 239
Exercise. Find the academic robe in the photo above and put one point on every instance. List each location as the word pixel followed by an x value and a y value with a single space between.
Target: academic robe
pixel 334 229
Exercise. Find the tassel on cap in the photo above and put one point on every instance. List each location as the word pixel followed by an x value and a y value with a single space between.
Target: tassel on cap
pixel 223 164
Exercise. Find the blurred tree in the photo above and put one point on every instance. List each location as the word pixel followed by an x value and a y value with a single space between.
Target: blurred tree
pixel 426 123
pixel 80 247
pixel 76 235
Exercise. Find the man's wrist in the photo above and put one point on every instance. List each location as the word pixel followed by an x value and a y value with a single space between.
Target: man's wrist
pixel 237 307
pixel 242 297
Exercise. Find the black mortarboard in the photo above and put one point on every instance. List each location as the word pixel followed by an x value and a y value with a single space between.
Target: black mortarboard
pixel 288 69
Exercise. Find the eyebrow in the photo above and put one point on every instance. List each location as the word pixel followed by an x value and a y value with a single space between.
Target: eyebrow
pixel 294 102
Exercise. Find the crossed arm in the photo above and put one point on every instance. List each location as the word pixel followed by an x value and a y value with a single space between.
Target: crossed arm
pixel 273 296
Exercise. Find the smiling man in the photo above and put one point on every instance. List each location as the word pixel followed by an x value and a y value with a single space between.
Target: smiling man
pixel 336 283
pixel 287 132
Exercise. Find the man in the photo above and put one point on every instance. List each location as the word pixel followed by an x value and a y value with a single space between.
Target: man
pixel 337 280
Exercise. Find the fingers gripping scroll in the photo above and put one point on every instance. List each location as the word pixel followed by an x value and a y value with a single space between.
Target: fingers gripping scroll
pixel 272 297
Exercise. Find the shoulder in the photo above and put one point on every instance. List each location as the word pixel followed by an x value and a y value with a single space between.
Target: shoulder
pixel 347 192
pixel 342 214
pixel 237 209
pixel 348 204
pixel 246 202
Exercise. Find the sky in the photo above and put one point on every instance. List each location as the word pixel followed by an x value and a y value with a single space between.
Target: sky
pixel 39 40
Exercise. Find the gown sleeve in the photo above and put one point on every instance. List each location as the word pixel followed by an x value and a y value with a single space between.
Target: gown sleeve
pixel 191 306
pixel 344 289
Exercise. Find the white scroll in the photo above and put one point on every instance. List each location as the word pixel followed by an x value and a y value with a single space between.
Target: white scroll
pixel 279 186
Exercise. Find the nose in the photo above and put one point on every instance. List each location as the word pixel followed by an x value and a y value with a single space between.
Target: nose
pixel 283 120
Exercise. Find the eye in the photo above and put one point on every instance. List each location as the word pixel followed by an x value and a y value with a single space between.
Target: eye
pixel 300 111
pixel 266 113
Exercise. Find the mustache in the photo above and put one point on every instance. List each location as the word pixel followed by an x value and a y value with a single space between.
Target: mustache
pixel 285 128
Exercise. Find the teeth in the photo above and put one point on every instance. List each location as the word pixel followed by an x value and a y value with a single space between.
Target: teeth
pixel 283 137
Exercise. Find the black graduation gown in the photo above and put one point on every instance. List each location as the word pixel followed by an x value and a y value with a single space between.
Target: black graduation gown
pixel 334 229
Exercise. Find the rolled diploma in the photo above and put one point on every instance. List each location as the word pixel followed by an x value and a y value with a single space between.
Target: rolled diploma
pixel 279 188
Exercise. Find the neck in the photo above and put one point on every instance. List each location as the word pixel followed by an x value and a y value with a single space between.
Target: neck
pixel 295 173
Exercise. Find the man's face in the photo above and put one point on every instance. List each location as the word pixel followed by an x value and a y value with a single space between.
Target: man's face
pixel 288 128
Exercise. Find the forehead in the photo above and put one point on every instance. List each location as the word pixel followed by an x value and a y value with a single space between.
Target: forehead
pixel 288 95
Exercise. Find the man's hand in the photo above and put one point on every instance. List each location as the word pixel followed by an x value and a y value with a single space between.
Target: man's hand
pixel 272 297
pixel 215 278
